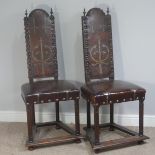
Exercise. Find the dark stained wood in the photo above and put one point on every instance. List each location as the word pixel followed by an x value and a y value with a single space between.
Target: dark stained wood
pixel 141 115
pixel 88 115
pixel 66 128
pixel 111 116
pixel 123 129
pixel 100 87
pixel 46 124
pixel 77 118
pixel 133 138
pixel 52 141
pixel 44 86
pixel 118 143
pixel 96 125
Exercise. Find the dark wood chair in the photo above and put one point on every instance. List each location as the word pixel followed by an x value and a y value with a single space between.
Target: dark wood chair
pixel 101 88
pixel 44 86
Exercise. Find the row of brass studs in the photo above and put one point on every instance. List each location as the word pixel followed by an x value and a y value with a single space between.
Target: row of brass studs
pixel 131 99
pixel 49 100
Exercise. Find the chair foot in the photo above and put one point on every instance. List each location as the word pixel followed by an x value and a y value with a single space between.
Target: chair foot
pixel 140 142
pixel 78 141
pixel 57 127
pixel 97 151
pixel 111 128
pixel 31 148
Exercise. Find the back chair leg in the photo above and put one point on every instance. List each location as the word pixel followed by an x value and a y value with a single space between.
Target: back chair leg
pixel 96 124
pixel 88 115
pixel 77 120
pixel 141 115
pixel 111 117
pixel 30 121
pixel 57 113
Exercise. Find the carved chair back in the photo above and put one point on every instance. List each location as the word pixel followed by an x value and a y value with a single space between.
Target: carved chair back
pixel 40 45
pixel 97 45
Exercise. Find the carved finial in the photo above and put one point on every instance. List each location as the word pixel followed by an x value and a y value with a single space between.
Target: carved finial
pixel 84 12
pixel 51 12
pixel 107 10
pixel 26 13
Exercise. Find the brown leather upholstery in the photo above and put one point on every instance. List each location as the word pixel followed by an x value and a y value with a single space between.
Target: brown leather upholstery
pixel 41 45
pixel 100 88
pixel 97 41
pixel 49 91
pixel 42 65
pixel 112 91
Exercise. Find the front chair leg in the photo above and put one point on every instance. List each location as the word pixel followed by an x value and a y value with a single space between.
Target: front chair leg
pixel 30 121
pixel 88 115
pixel 96 124
pixel 111 117
pixel 141 115
pixel 57 113
pixel 77 120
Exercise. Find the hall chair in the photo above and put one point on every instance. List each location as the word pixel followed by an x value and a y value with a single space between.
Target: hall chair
pixel 43 86
pixel 100 87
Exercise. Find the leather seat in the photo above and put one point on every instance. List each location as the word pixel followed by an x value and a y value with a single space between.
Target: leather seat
pixel 49 91
pixel 112 91
pixel 100 86
pixel 42 64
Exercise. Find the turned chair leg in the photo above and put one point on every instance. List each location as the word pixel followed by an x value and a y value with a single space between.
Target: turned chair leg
pixel 88 115
pixel 30 121
pixel 96 124
pixel 57 113
pixel 111 117
pixel 141 115
pixel 77 120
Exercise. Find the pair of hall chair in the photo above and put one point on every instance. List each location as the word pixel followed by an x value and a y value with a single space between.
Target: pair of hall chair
pixel 44 86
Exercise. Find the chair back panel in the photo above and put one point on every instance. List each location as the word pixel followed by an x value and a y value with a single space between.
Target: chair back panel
pixel 97 45
pixel 41 44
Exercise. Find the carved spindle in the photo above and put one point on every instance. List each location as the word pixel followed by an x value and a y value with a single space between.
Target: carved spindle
pixel 26 13
pixel 51 12
pixel 84 12
pixel 107 11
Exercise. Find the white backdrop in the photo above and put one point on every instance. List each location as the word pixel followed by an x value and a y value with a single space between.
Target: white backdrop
pixel 133 25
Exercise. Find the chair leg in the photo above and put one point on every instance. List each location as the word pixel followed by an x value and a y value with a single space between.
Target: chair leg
pixel 88 115
pixel 30 121
pixel 141 115
pixel 33 110
pixel 57 113
pixel 111 117
pixel 77 120
pixel 96 124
